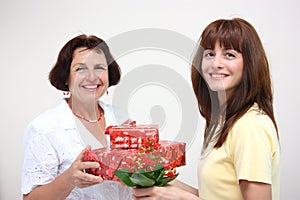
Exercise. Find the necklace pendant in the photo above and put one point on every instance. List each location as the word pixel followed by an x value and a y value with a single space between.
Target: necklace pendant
pixel 93 121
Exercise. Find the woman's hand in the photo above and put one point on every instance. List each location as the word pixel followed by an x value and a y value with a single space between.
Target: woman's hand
pixel 77 176
pixel 168 192
pixel 61 187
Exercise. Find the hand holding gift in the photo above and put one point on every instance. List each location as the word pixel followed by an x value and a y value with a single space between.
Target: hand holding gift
pixel 152 163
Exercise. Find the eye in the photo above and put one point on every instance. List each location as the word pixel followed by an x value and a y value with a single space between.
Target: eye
pixel 208 53
pixel 229 54
pixel 100 68
pixel 80 68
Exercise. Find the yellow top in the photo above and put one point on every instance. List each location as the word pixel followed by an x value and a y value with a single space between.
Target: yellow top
pixel 251 152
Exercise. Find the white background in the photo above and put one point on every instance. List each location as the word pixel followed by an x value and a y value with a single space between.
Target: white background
pixel 32 33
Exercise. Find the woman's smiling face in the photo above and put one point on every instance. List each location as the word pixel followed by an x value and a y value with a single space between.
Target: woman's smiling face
pixel 222 68
pixel 88 78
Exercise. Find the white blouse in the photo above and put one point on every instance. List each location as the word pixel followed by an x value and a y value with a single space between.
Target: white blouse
pixel 53 141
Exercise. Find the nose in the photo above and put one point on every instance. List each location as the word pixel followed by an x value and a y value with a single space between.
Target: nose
pixel 92 75
pixel 218 62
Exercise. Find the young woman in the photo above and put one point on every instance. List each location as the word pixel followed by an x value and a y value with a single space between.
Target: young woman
pixel 240 155
pixel 55 140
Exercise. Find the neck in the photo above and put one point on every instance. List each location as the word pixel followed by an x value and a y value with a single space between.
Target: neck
pixel 222 97
pixel 87 112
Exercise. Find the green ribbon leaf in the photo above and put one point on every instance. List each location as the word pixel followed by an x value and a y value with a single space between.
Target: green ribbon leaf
pixel 124 175
pixel 141 180
pixel 163 181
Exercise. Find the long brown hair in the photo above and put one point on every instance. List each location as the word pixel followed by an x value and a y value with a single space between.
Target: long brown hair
pixel 255 86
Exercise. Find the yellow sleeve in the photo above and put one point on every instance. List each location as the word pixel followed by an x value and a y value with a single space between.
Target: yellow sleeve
pixel 251 147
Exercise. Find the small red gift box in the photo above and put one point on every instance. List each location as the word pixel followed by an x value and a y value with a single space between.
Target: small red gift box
pixel 132 136
pixel 166 153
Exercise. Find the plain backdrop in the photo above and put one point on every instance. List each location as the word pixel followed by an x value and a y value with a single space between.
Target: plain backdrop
pixel 33 32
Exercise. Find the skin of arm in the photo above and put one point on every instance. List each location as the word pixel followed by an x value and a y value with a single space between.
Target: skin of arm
pixel 255 190
pixel 62 186
pixel 185 187
pixel 176 190
pixel 180 191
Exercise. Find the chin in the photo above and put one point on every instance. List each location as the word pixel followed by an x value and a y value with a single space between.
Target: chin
pixel 217 89
pixel 98 96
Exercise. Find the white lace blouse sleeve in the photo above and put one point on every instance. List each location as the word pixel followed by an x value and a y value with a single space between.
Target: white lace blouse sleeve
pixel 51 143
pixel 40 160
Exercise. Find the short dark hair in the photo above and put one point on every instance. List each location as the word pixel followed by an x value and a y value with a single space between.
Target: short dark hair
pixel 59 74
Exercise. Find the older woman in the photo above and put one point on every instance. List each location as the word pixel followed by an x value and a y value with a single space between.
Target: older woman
pixel 55 140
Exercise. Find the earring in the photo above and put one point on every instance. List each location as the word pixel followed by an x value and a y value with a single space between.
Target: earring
pixel 66 94
pixel 106 92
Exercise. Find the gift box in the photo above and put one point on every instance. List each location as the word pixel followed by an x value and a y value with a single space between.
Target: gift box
pixel 167 154
pixel 132 136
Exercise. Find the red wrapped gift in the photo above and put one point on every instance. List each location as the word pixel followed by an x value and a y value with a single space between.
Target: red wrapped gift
pixel 132 136
pixel 166 153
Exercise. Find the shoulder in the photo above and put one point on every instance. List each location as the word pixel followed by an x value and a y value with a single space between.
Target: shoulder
pixel 253 127
pixel 255 118
pixel 54 118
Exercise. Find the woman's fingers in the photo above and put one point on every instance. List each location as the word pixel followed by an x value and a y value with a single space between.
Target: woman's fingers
pixel 87 181
pixel 80 156
pixel 143 192
pixel 80 178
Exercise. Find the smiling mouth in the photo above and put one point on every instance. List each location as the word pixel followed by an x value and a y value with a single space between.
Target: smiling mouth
pixel 91 86
pixel 218 75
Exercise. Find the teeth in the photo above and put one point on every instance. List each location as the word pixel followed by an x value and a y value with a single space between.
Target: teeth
pixel 90 86
pixel 218 75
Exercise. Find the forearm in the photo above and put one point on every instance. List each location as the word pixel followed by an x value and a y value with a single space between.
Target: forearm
pixel 185 187
pixel 59 188
pixel 255 190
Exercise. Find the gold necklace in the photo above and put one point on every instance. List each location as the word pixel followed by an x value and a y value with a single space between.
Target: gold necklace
pixel 88 120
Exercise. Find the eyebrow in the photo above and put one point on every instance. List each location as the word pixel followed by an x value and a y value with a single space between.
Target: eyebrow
pixel 98 64
pixel 78 64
